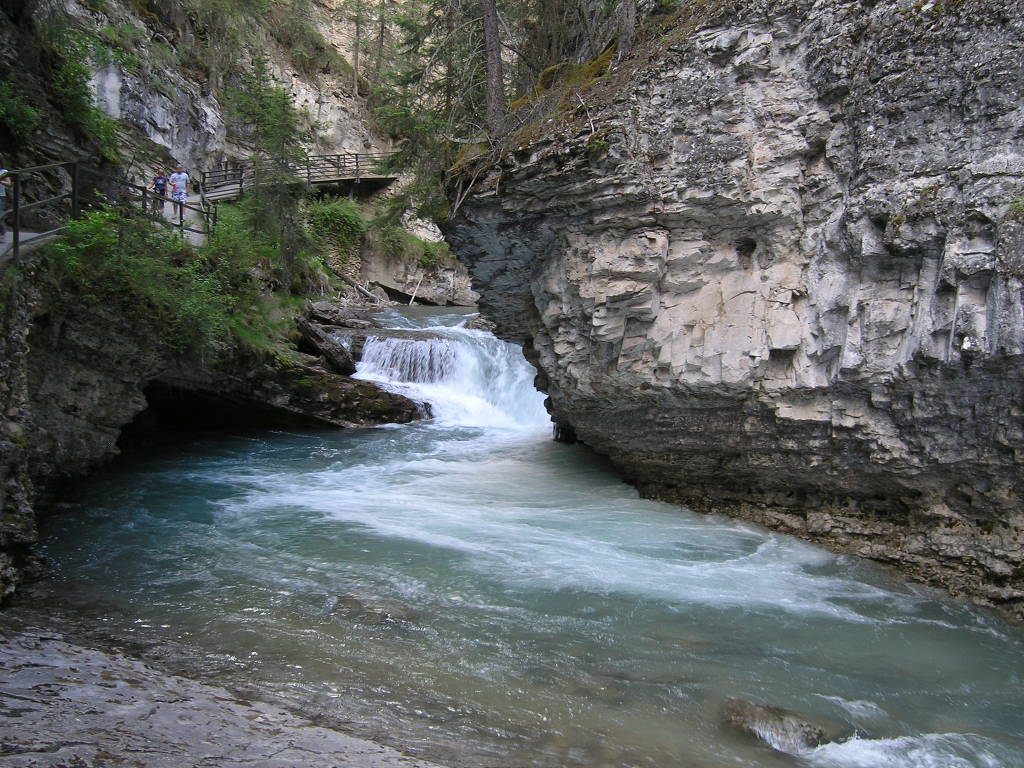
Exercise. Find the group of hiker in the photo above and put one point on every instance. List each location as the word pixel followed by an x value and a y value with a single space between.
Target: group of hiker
pixel 175 183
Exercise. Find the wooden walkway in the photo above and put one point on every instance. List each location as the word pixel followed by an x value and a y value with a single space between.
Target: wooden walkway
pixel 231 180
pixel 197 218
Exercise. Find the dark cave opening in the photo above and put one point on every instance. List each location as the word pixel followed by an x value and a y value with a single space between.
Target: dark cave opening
pixel 176 412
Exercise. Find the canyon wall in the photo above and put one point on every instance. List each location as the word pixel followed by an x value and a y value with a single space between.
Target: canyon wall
pixel 773 266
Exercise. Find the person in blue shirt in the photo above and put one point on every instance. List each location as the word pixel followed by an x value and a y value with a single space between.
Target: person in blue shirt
pixel 160 189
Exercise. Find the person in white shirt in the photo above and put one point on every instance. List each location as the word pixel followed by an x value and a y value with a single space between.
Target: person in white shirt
pixel 5 184
pixel 179 188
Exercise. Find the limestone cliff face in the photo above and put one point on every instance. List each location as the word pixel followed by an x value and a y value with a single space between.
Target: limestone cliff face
pixel 777 270
pixel 444 283
pixel 178 111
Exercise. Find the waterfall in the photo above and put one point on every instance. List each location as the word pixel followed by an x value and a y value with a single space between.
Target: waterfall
pixel 470 378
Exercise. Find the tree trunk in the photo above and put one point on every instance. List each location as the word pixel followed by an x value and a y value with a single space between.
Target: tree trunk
pixel 495 78
pixel 358 19
pixel 381 34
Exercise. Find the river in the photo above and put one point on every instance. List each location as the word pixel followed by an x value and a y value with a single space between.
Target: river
pixel 472 591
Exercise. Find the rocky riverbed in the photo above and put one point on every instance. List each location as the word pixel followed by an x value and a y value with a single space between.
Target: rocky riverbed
pixel 67 705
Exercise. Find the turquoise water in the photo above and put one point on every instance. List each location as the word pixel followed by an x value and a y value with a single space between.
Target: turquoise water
pixel 475 592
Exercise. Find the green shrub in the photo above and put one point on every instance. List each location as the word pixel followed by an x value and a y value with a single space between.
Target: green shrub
pixel 69 85
pixel 293 26
pixel 337 221
pixel 235 249
pixel 395 241
pixel 433 254
pixel 116 259
pixel 17 115
pixel 124 37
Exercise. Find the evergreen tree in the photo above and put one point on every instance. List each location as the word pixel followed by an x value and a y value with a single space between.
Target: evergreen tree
pixel 264 114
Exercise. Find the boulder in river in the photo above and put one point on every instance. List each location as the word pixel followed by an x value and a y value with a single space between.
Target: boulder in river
pixel 774 727
pixel 329 313
pixel 334 351
pixel 480 323
pixel 374 610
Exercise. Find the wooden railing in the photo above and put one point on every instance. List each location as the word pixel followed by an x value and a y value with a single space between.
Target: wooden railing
pixel 228 181
pixel 312 169
pixel 154 205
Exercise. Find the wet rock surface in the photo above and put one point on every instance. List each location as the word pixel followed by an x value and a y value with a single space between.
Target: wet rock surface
pixel 774 727
pixel 63 705
pixel 780 276
pixel 335 353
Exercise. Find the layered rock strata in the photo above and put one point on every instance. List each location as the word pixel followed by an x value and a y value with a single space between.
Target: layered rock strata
pixel 774 267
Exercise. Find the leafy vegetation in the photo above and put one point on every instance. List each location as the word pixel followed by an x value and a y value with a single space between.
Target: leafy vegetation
pixel 193 299
pixel 70 51
pixel 246 259
pixel 113 258
pixel 337 221
pixel 18 116
pixel 396 241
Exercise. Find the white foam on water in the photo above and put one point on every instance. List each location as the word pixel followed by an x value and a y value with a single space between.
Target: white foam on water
pixel 512 520
pixel 469 378
pixel 930 750
pixel 860 711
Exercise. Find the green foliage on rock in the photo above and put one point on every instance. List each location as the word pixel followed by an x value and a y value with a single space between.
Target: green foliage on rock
pixel 395 241
pixel 229 291
pixel 247 259
pixel 70 51
pixel 18 116
pixel 116 259
pixel 232 25
pixel 337 221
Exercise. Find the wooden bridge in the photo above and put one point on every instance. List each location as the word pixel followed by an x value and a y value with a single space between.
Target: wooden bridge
pixel 231 180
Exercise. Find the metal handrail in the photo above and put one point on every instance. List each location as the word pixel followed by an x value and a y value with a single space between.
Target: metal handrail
pixel 17 208
pixel 74 168
pixel 151 199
